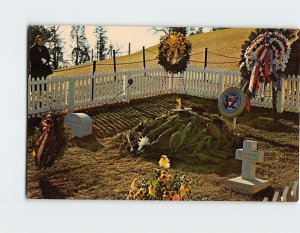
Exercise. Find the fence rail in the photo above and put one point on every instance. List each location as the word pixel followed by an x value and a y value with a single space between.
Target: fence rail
pixel 88 90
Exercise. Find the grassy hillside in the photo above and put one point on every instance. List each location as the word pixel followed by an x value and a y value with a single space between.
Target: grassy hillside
pixel 226 42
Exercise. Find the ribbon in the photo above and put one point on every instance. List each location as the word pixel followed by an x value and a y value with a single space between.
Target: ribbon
pixel 41 141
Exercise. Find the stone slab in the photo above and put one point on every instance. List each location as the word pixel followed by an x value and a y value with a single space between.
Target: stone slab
pixel 182 110
pixel 80 124
pixel 240 185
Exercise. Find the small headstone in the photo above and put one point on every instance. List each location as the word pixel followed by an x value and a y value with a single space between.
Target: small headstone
pixel 80 124
pixel 286 196
pixel 276 197
pixel 295 191
pixel 247 183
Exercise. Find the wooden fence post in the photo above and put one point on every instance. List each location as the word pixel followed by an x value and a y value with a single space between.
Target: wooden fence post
pixel 115 64
pixel 205 58
pixel 281 96
pixel 71 94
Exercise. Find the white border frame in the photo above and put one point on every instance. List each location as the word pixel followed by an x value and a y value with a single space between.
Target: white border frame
pixel 17 214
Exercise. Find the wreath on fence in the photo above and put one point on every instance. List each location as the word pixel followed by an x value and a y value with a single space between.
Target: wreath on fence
pixel 174 52
pixel 265 60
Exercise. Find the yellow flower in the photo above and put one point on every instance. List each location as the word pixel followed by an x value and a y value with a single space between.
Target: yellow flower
pixel 33 154
pixel 152 191
pixel 164 162
pixel 173 40
pixel 134 185
pixel 163 178
pixel 184 189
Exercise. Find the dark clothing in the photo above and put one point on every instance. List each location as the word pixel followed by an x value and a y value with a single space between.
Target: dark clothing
pixel 37 68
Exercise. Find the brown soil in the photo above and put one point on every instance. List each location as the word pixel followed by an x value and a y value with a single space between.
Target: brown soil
pixel 94 168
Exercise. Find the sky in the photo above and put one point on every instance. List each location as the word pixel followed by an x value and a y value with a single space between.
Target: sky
pixel 119 36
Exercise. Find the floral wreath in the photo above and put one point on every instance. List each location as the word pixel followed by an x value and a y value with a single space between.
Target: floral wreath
pixel 279 46
pixel 264 61
pixel 174 52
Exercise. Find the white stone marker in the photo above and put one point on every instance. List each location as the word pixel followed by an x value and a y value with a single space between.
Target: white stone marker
pixel 247 183
pixel 80 124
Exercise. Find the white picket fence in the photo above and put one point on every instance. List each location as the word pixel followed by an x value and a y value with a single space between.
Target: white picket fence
pixel 288 194
pixel 89 90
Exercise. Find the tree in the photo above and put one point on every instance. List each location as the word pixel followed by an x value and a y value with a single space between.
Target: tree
pixel 55 46
pixel 101 49
pixel 33 31
pixel 111 48
pixel 195 30
pixel 167 30
pixel 80 53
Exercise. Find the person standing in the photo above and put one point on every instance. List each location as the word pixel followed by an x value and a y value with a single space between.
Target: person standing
pixel 39 60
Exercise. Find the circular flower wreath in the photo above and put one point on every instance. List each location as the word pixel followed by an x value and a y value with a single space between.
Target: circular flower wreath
pixel 264 61
pixel 174 52
pixel 278 44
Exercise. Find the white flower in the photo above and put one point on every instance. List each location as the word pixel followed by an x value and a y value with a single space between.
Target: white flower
pixel 143 142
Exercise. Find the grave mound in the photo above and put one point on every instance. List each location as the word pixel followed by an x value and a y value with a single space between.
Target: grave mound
pixel 202 136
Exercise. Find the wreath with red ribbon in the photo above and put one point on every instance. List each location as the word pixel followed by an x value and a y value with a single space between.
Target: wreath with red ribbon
pixel 265 60
pixel 174 52
pixel 50 140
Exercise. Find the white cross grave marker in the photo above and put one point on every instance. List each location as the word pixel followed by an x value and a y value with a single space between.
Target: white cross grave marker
pixel 247 183
pixel 249 156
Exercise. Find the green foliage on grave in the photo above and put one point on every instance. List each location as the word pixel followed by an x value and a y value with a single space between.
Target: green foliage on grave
pixel 184 134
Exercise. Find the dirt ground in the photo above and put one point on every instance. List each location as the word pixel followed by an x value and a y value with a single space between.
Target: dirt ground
pixel 94 168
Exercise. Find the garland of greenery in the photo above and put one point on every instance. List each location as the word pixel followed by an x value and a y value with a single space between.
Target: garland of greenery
pixel 174 52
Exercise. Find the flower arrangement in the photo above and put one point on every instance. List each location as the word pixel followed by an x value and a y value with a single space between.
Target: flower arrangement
pixel 264 61
pixel 278 45
pixel 162 185
pixel 174 52
pixel 50 140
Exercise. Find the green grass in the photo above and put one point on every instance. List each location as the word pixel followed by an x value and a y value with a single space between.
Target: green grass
pixel 227 42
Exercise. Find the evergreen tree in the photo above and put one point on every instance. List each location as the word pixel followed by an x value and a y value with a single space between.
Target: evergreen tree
pixel 195 30
pixel 33 31
pixel 167 30
pixel 101 49
pixel 55 47
pixel 80 53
